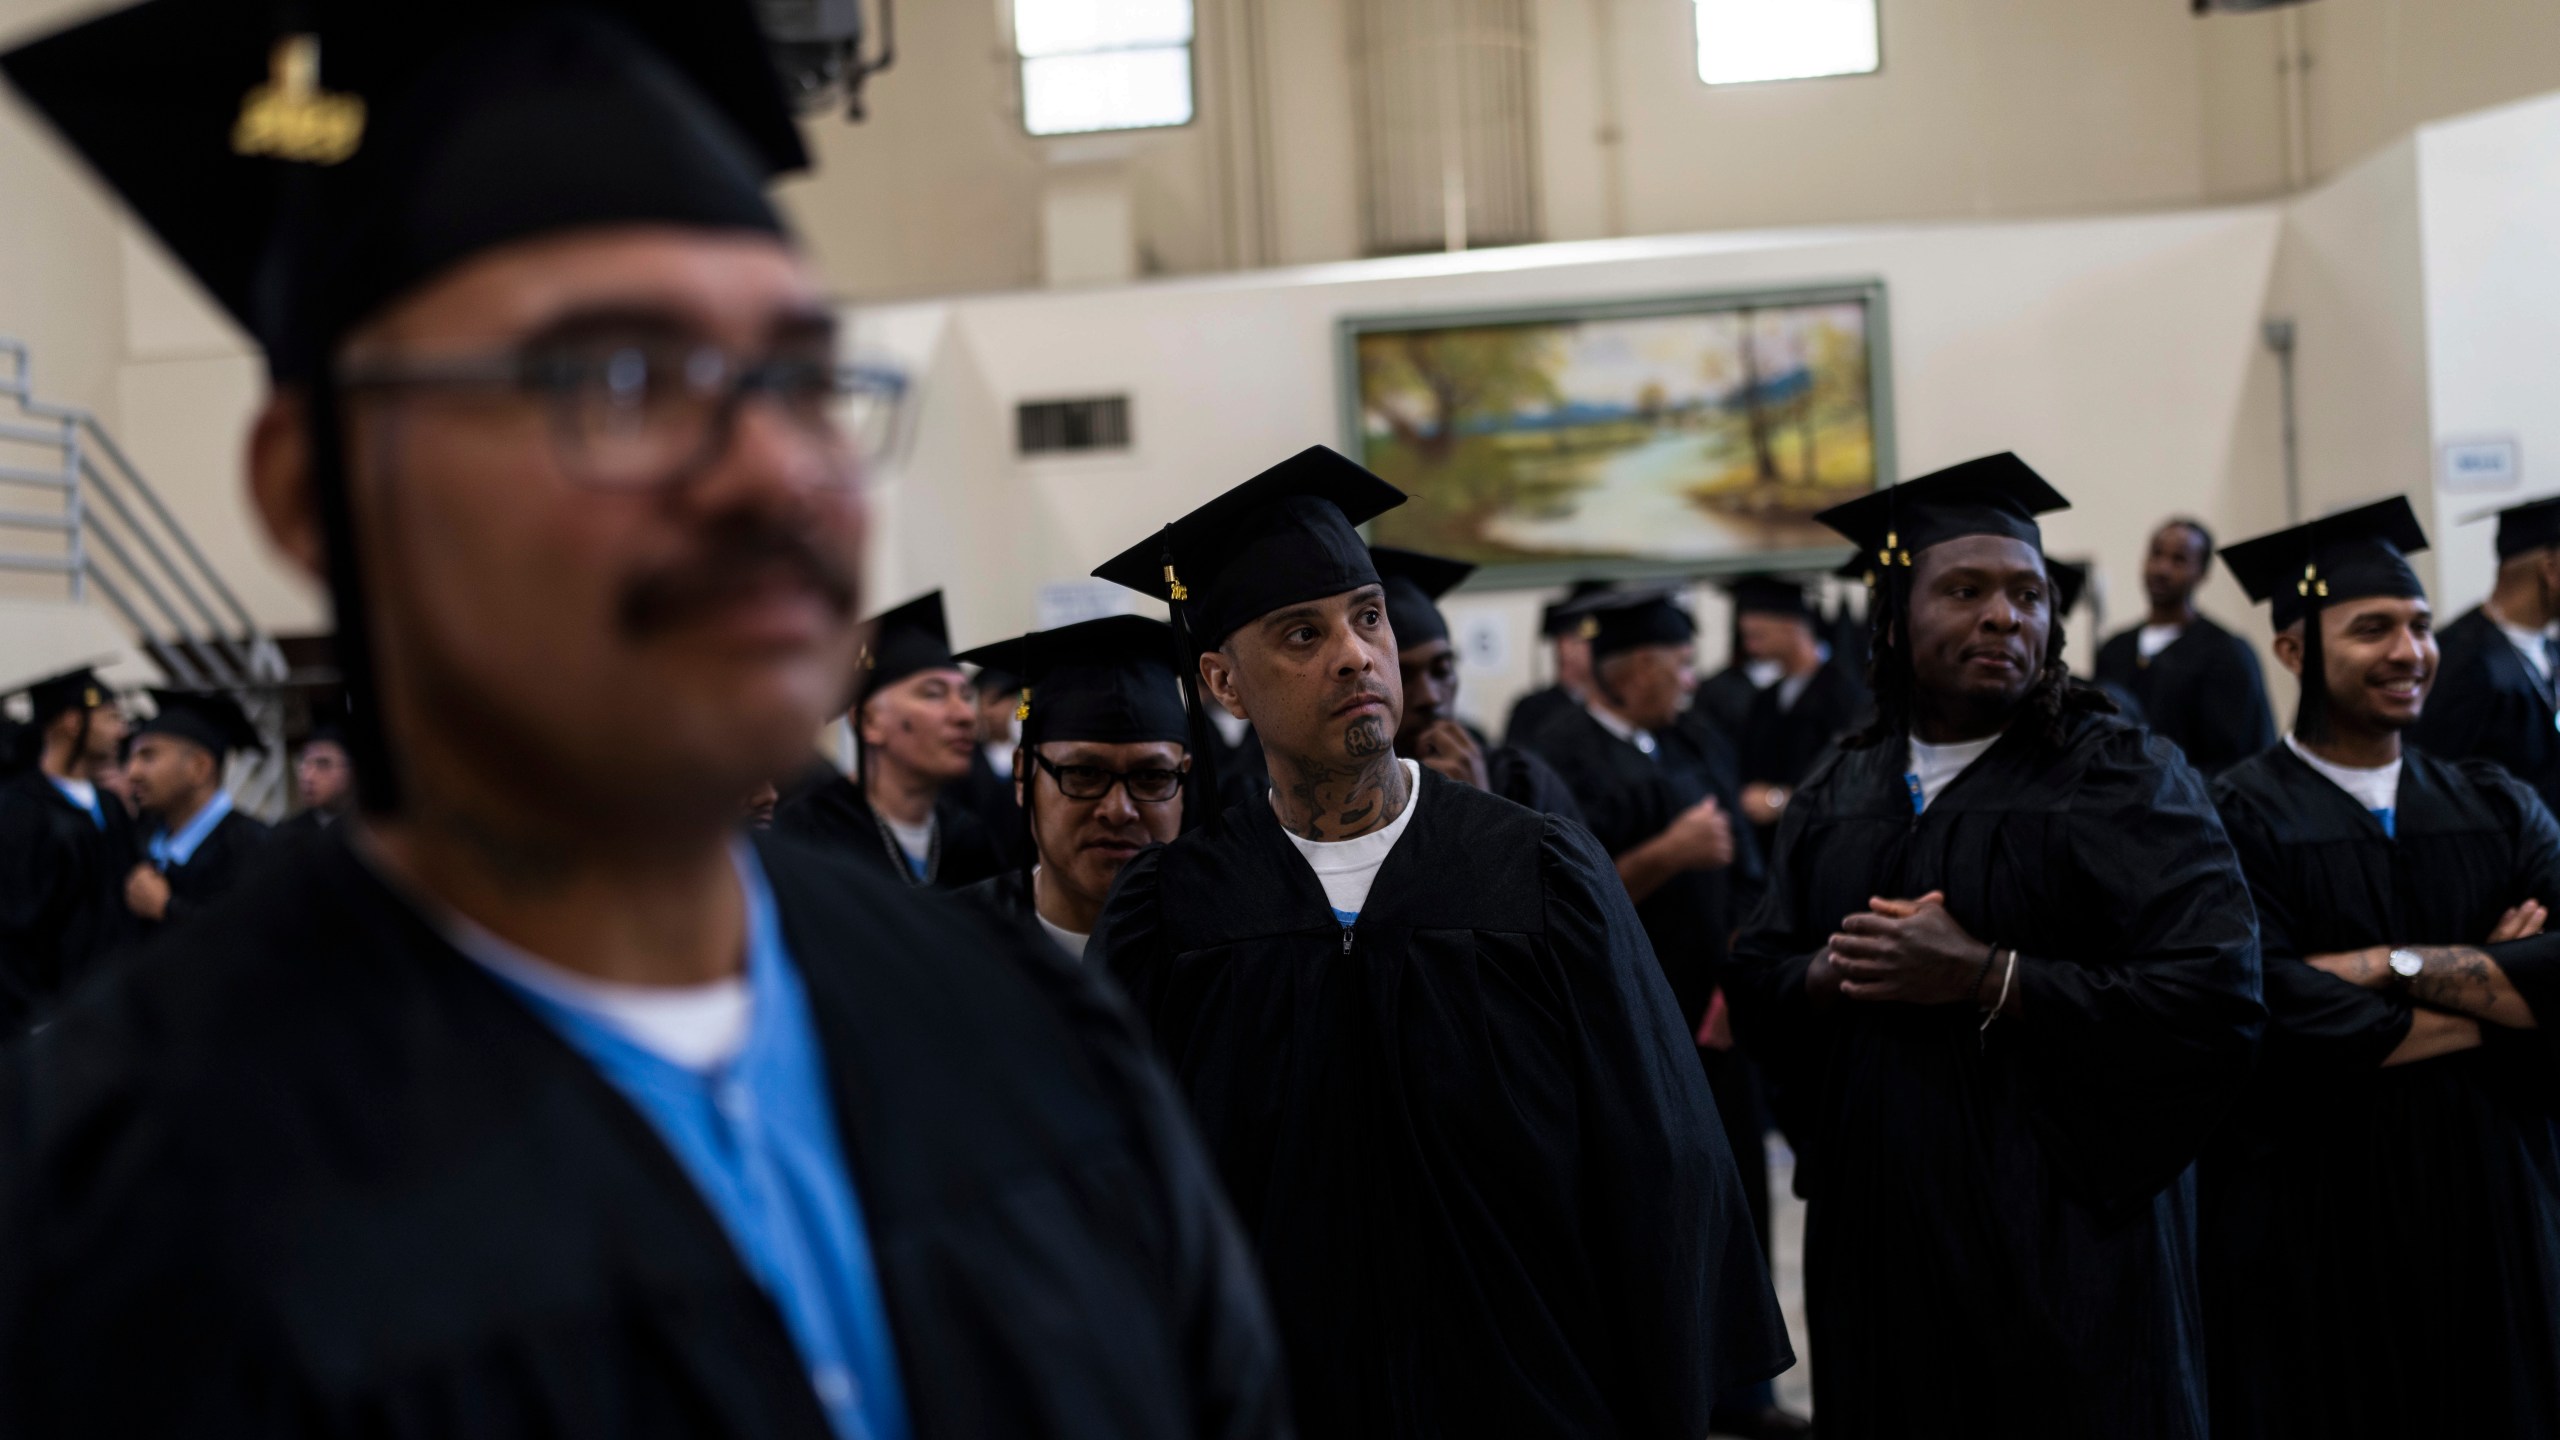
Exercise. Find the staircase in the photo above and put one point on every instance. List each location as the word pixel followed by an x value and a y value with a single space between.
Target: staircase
pixel 94 557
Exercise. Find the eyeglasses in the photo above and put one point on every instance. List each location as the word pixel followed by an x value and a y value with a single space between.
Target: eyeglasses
pixel 1151 785
pixel 640 415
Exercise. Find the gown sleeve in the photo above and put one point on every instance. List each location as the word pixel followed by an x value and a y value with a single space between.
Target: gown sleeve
pixel 1231 1348
pixel 1764 982
pixel 1674 1255
pixel 2317 1024
pixel 30 882
pixel 2140 1047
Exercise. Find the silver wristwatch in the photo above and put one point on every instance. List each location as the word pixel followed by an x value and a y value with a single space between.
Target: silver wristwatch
pixel 2407 963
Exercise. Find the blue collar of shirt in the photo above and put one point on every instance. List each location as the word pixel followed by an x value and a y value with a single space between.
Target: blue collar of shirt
pixel 169 850
pixel 89 807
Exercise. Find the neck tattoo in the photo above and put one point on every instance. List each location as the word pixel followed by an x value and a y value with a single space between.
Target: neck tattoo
pixel 1330 800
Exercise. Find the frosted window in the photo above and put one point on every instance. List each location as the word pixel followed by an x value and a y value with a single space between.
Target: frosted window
pixel 1103 64
pixel 1746 40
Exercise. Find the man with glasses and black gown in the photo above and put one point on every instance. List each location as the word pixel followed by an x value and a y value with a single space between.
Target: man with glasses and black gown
pixel 1105 746
pixel 535 1098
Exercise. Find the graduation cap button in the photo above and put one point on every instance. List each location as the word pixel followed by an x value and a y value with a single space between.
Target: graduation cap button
pixel 292 118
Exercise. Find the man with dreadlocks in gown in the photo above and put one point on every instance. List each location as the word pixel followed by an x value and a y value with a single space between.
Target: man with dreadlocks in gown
pixel 1099 775
pixel 2007 963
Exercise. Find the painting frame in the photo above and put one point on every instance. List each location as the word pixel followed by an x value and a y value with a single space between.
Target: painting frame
pixel 1870 293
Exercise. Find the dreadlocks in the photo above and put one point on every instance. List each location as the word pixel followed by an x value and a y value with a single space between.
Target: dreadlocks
pixel 2055 698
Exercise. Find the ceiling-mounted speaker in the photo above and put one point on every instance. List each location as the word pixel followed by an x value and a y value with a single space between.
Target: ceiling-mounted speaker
pixel 2242 7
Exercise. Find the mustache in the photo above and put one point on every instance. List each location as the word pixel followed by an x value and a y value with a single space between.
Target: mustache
pixel 740 554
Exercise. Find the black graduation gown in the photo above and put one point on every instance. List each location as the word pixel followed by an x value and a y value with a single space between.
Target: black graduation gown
pixel 1725 698
pixel 837 817
pixel 2205 693
pixel 1467 1137
pixel 1628 798
pixel 2000 1233
pixel 62 906
pixel 989 797
pixel 1242 772
pixel 1522 778
pixel 217 865
pixel 2381 1247
pixel 305 823
pixel 305 1170
pixel 1007 894
pixel 1532 713
pixel 2487 704
pixel 1778 747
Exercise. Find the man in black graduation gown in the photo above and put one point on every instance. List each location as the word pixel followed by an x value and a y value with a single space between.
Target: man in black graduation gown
pixel 906 808
pixel 1103 759
pixel 989 788
pixel 2007 968
pixel 1450 1094
pixel 2494 694
pixel 1531 713
pixel 195 846
pixel 1658 792
pixel 65 849
pixel 1427 663
pixel 2198 684
pixel 324 783
pixel 537 1101
pixel 2381 1224
pixel 1813 701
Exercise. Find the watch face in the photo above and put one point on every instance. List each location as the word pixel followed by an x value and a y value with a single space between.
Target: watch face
pixel 2406 964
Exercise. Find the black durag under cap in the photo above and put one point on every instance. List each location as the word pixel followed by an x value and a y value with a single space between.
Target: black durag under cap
pixel 208 718
pixel 1623 620
pixel 1414 583
pixel 1995 495
pixel 2353 555
pixel 1283 537
pixel 2523 529
pixel 1108 681
pixel 907 640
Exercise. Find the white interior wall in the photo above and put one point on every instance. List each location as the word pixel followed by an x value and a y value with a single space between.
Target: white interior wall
pixel 2111 353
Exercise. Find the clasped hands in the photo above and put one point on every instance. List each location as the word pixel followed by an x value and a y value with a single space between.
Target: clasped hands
pixel 1910 951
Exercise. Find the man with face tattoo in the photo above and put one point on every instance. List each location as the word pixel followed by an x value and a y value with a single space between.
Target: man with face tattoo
pixel 1450 1093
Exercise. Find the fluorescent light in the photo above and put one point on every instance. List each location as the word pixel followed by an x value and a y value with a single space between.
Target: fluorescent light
pixel 1742 41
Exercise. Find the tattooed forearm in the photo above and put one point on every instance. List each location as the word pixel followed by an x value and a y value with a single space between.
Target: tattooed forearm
pixel 2463 979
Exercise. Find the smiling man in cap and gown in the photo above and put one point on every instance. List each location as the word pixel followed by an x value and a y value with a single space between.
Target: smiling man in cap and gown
pixel 2006 971
pixel 536 1100
pixel 2381 1238
pixel 1453 1100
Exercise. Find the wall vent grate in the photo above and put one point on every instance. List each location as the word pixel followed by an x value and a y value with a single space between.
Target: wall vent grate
pixel 1067 427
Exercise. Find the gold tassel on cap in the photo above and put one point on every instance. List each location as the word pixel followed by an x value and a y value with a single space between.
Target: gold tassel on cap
pixel 1173 585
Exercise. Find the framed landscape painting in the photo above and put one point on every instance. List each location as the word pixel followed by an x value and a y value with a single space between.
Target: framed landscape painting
pixel 1677 436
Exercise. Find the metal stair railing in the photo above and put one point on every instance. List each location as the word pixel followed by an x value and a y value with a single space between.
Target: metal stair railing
pixel 102 529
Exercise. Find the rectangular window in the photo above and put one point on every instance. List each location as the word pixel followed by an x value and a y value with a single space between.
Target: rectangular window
pixel 1091 65
pixel 1741 41
pixel 1062 427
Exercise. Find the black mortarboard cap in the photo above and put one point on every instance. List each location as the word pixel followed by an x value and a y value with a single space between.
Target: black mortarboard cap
pixel 310 163
pixel 1109 681
pixel 1282 537
pixel 2070 582
pixel 79 689
pixel 1620 620
pixel 907 640
pixel 1995 495
pixel 1766 595
pixel 1414 583
pixel 1557 620
pixel 2353 555
pixel 2523 529
pixel 209 718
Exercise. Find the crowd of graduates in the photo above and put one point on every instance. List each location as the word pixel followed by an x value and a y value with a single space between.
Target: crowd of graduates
pixel 1193 1027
